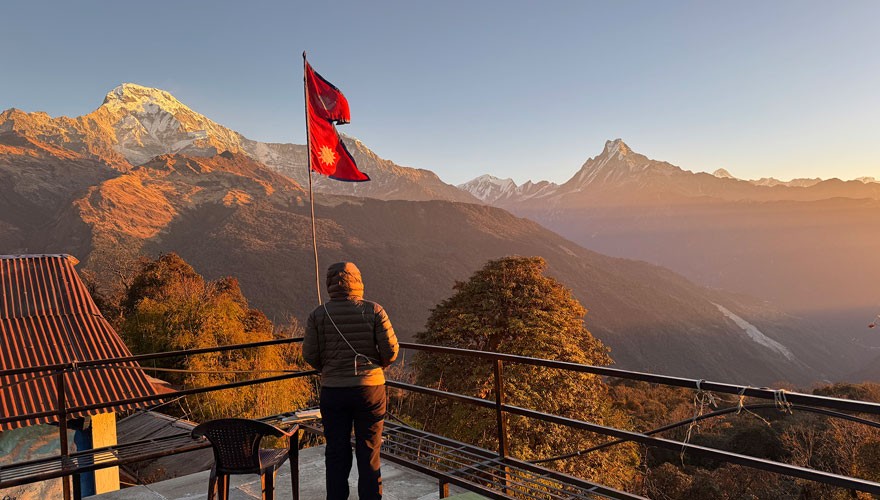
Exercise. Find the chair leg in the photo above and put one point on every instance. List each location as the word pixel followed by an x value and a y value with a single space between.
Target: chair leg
pixel 212 483
pixel 267 478
pixel 294 465
pixel 224 487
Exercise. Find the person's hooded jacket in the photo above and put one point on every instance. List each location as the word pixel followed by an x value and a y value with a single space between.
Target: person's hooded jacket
pixel 345 324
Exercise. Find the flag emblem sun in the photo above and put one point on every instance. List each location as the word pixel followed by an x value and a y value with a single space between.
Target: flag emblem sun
pixel 327 156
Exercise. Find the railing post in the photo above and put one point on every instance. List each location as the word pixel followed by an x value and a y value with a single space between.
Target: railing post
pixel 294 462
pixel 77 486
pixel 502 422
pixel 444 489
pixel 62 431
pixel 499 411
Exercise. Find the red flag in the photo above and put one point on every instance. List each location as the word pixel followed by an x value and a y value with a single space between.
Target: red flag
pixel 327 100
pixel 325 106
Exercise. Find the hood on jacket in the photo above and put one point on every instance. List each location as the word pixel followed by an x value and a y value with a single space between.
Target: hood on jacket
pixel 344 280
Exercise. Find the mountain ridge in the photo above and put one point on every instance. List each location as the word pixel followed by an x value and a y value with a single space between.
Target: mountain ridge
pixel 808 247
pixel 619 168
pixel 228 214
pixel 135 124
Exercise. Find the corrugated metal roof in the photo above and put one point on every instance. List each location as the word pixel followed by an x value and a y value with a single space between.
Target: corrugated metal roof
pixel 153 425
pixel 46 317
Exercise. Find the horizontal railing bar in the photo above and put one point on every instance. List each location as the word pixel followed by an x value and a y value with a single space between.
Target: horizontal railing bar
pixel 470 449
pixel 187 392
pixel 169 395
pixel 519 468
pixel 715 414
pixel 724 456
pixel 448 457
pixel 146 357
pixel 568 479
pixel 106 449
pixel 466 453
pixel 498 471
pixel 485 403
pixel 461 456
pixel 778 467
pixel 473 451
pixel 763 393
pixel 66 471
pixel 57 466
pixel 414 456
pixel 482 490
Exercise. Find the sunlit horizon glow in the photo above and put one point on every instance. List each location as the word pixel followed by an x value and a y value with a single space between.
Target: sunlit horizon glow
pixel 785 89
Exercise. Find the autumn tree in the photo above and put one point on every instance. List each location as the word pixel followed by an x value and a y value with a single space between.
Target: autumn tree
pixel 169 306
pixel 510 306
pixel 799 437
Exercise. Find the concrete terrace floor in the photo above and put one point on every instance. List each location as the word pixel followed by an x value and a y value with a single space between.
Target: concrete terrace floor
pixel 399 483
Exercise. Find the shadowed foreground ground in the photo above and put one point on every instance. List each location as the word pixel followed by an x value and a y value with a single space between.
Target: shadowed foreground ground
pixel 399 484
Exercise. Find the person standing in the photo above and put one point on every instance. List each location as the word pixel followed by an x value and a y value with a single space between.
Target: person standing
pixel 350 341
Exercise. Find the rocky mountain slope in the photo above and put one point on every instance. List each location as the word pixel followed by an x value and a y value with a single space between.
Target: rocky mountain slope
pixel 144 174
pixel 229 215
pixel 136 123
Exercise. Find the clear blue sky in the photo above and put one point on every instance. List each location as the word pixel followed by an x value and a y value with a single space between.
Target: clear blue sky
pixel 527 90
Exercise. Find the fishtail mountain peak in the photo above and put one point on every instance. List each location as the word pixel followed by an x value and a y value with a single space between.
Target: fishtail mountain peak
pixel 616 146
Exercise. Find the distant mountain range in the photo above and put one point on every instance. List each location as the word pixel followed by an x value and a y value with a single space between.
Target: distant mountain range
pixel 770 181
pixel 808 245
pixel 144 174
pixel 623 177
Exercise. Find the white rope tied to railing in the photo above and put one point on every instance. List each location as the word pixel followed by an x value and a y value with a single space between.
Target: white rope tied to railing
pixel 740 406
pixel 781 401
pixel 702 400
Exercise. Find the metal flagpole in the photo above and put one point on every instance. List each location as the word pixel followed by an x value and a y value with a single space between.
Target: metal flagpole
pixel 309 168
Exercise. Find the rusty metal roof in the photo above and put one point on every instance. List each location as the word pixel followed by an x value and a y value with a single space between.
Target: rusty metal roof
pixel 47 316
pixel 152 425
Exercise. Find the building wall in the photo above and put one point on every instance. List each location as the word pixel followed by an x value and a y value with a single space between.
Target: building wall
pixel 104 434
pixel 39 441
pixel 29 443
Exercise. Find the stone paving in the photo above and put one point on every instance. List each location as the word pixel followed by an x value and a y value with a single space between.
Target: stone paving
pixel 400 483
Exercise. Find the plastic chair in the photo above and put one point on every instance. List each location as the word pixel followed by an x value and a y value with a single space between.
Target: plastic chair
pixel 236 444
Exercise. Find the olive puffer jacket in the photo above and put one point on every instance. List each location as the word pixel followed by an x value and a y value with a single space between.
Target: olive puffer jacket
pixel 363 324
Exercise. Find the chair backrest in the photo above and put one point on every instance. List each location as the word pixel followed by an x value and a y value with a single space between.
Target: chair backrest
pixel 236 442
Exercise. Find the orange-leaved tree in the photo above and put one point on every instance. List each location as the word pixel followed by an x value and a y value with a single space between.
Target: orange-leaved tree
pixel 511 306
pixel 169 306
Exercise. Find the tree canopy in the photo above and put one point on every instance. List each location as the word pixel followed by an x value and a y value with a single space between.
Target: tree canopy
pixel 510 306
pixel 169 306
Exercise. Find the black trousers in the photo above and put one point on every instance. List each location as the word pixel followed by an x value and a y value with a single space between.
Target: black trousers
pixel 364 408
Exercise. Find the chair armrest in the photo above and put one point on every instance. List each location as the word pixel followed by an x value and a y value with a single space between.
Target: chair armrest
pixel 289 433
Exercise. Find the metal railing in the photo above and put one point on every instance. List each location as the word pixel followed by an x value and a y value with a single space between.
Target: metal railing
pixel 804 401
pixel 62 410
pixel 821 404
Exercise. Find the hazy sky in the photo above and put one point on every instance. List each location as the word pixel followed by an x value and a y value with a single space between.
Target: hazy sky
pixel 527 90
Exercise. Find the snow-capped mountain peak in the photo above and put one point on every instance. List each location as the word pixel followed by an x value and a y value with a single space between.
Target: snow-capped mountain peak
pixel 616 147
pixel 491 189
pixel 617 165
pixel 132 97
pixel 723 174
pixel 491 180
pixel 136 123
pixel 149 122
